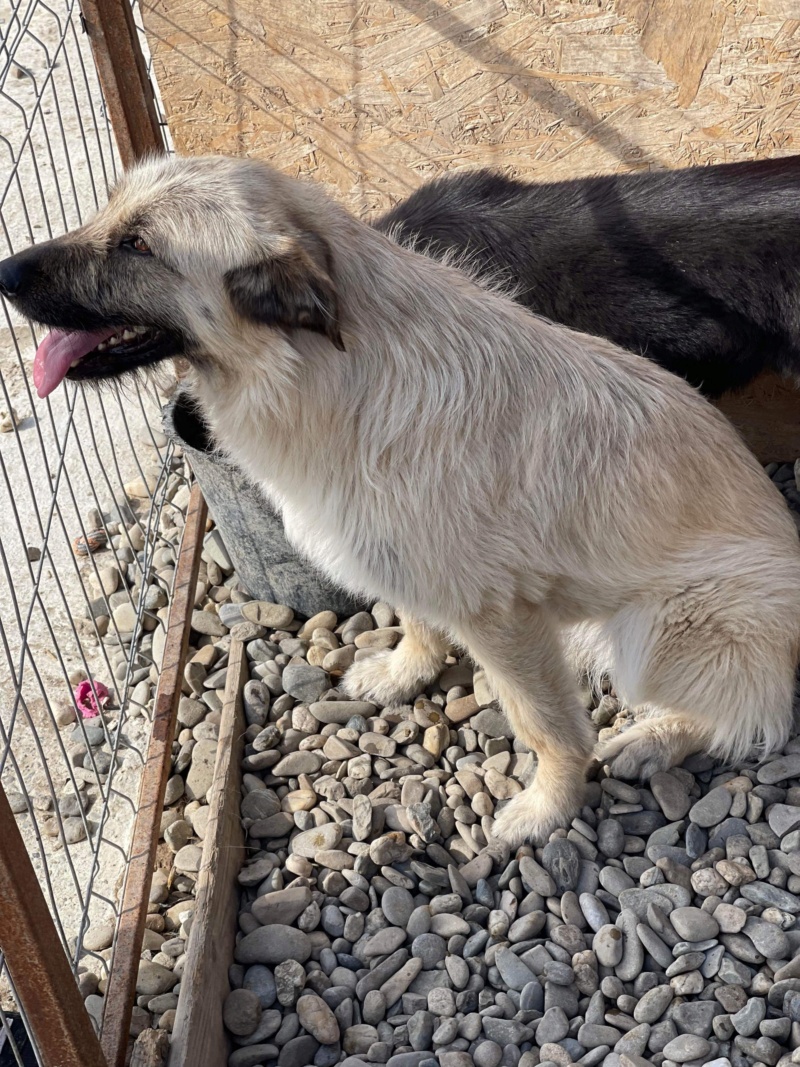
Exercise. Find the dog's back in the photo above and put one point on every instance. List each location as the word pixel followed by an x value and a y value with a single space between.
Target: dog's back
pixel 695 269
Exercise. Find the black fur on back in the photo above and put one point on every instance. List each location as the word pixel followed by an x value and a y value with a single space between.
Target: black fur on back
pixel 697 269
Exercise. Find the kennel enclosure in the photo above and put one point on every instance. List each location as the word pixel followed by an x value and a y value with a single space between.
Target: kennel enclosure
pixel 371 99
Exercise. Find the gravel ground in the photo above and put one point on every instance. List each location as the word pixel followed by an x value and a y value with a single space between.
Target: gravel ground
pixel 380 925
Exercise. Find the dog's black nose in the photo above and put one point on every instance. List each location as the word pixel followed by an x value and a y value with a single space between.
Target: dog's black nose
pixel 14 273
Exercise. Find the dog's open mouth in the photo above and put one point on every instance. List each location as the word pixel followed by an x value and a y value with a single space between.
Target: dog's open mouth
pixel 85 354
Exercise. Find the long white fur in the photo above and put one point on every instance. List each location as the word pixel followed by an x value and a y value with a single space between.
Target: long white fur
pixel 498 478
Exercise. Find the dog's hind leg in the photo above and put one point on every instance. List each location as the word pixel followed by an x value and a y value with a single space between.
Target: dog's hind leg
pixel 393 677
pixel 708 678
pixel 655 744
pixel 526 667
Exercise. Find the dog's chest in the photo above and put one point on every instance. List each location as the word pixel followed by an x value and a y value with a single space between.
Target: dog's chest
pixel 352 548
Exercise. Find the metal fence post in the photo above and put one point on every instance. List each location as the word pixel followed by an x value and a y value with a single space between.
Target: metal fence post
pixel 36 959
pixel 123 77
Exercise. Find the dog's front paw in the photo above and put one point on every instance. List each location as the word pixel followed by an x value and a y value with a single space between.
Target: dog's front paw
pixel 378 679
pixel 531 816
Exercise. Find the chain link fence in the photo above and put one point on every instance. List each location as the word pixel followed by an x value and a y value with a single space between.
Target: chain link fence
pixel 92 505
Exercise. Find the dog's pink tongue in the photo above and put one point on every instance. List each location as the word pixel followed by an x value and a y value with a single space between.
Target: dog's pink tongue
pixel 58 351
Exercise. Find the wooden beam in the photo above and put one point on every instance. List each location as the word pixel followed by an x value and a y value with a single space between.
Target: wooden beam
pixel 130 930
pixel 123 76
pixel 767 415
pixel 44 982
pixel 198 1036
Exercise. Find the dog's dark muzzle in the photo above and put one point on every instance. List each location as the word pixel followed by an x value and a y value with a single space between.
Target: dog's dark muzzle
pixel 17 273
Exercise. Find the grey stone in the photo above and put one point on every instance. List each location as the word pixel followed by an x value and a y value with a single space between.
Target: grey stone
pixel 610 838
pixel 492 723
pixel 153 979
pixel 592 1035
pixel 298 1052
pixel 321 838
pixel 768 938
pixel 201 771
pixel 397 905
pixel 653 1004
pixel 770 896
pixel 260 980
pixel 712 808
pixel 630 966
pixel 420 1030
pixel 671 795
pixel 747 1020
pixel 407 976
pixel 295 763
pixel 512 970
pixel 665 896
pixel 780 770
pixel 553 1027
pixel 282 906
pixel 256 699
pixel 695 1016
pixel 607 945
pixel 430 949
pixel 273 944
pixel 686 1047
pixel 252 1056
pixel 304 682
pixel 506 1031
pixel 241 1012
pixel 653 944
pixel 594 911
pixel 693 924
pixel 318 1019
pixel 340 711
pixel 535 878
pixel 562 861
pixel 783 818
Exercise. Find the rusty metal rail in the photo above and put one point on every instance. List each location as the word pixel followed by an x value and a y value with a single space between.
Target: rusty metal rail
pixel 42 976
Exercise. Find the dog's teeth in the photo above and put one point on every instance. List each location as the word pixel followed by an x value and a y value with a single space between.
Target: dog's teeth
pixel 102 346
pixel 128 335
pixel 139 329
pixel 74 363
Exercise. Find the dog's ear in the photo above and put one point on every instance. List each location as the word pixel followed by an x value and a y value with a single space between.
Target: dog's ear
pixel 293 288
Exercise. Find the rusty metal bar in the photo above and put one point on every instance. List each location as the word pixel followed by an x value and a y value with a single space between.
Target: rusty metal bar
pixel 123 77
pixel 36 960
pixel 125 964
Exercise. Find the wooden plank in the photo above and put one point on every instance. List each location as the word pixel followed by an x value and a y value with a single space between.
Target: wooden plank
pixel 38 965
pixel 130 930
pixel 767 414
pixel 123 76
pixel 198 1036
pixel 375 98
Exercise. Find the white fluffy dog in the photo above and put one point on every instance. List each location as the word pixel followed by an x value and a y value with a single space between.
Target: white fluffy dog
pixel 541 497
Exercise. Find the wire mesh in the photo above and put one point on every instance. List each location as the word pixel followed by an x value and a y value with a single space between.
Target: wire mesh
pixel 91 512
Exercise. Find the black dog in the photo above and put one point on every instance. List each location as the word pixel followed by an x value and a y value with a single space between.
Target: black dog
pixel 696 269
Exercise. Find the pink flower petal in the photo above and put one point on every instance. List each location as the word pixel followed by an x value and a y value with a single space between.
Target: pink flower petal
pixel 85 700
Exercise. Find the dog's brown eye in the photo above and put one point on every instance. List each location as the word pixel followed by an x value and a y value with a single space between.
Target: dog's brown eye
pixel 138 244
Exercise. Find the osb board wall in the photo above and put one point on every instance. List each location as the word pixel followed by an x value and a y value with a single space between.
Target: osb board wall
pixel 376 96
